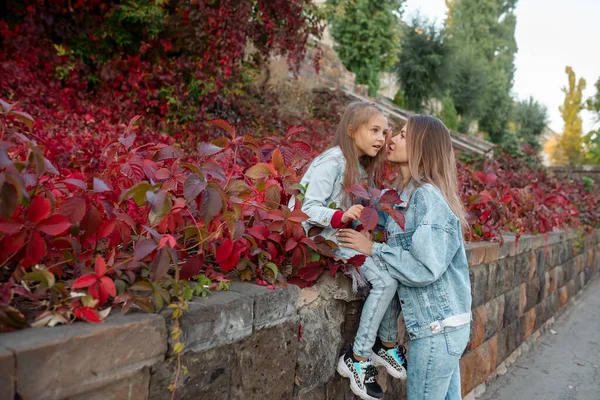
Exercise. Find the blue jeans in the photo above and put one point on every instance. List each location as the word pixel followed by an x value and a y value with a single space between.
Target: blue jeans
pixel 380 311
pixel 433 370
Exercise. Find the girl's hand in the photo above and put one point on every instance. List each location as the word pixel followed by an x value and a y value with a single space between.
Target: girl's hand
pixel 353 213
pixel 355 240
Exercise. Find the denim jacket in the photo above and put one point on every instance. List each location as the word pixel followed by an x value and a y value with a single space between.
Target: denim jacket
pixel 429 261
pixel 325 177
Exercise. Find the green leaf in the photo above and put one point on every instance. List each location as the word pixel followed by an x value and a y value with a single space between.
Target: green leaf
pixel 45 277
pixel 259 171
pixel 138 191
pixel 273 268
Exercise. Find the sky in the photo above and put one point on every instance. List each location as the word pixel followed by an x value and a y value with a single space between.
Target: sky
pixel 550 34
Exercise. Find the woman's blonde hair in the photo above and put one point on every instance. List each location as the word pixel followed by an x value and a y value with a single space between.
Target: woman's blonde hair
pixel 431 160
pixel 355 116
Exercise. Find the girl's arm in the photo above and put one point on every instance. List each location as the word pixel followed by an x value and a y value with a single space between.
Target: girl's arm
pixel 318 191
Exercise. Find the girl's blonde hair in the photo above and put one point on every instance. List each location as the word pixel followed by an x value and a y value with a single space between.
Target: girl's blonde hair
pixel 431 160
pixel 355 116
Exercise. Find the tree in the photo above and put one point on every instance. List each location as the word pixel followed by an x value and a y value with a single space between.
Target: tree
pixel 367 36
pixel 592 138
pixel 421 60
pixel 528 119
pixel 448 114
pixel 487 29
pixel 572 140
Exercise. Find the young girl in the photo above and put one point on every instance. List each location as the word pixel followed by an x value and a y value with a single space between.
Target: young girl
pixel 354 156
pixel 427 257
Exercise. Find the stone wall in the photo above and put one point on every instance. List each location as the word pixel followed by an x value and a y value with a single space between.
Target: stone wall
pixel 591 171
pixel 254 343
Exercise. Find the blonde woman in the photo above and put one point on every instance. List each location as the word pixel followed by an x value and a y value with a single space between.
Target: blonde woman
pixel 427 258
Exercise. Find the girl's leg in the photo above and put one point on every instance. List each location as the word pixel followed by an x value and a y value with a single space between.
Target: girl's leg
pixel 388 329
pixel 434 370
pixel 383 291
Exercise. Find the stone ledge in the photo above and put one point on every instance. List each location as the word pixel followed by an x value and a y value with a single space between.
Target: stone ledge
pixel 61 362
pixel 7 373
pixel 271 307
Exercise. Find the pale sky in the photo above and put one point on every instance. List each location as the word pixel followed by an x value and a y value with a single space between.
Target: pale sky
pixel 551 34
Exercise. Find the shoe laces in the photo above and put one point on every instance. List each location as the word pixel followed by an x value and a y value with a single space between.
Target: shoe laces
pixel 401 351
pixel 370 373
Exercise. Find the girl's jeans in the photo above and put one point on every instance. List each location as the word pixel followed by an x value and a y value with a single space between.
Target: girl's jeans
pixel 380 311
pixel 433 372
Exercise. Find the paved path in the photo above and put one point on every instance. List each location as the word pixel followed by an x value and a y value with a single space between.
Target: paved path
pixel 562 366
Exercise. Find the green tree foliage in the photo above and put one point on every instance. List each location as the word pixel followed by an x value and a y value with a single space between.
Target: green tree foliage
pixel 487 29
pixel 421 61
pixel 367 36
pixel 592 138
pixel 528 119
pixel 572 140
pixel 449 115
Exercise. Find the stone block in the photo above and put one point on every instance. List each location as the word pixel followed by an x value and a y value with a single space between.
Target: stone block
pixel 90 356
pixel 468 371
pixel 528 323
pixel 532 264
pixel 569 270
pixel 511 306
pixel 534 293
pixel 522 268
pixel 321 343
pixel 525 242
pixel 564 252
pixel 7 373
pixel 571 289
pixel 563 296
pixel 264 366
pixel 477 253
pixel 478 327
pixel 395 388
pixel 552 304
pixel 522 298
pixel 559 276
pixel 492 252
pixel 223 317
pixel 479 281
pixel 209 375
pixel 271 307
pixel 494 318
pixel 486 359
pixel 542 313
pixel 508 248
pixel 541 258
pixel 338 287
pixel 552 283
pixel 505 273
pixel 505 341
pixel 130 388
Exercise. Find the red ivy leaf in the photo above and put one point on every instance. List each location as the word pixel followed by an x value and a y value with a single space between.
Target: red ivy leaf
pixel 226 126
pixel 106 228
pixel 369 218
pixel 73 208
pixel 294 130
pixel 39 209
pixel 143 248
pixel 36 248
pixel 88 314
pixel 224 251
pixel 84 281
pixel 312 271
pixel 359 191
pixel 191 268
pixel 357 260
pixel 100 266
pixel 10 226
pixel 109 285
pixel 54 225
pixel 100 186
pixel 208 149
pixel 390 197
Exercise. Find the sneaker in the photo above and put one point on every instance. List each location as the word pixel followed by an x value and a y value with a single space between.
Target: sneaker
pixel 362 377
pixel 394 359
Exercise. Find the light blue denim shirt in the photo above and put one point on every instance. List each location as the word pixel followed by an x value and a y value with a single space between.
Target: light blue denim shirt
pixel 325 178
pixel 428 259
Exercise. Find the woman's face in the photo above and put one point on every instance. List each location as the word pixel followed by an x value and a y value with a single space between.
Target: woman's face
pixel 370 137
pixel 396 148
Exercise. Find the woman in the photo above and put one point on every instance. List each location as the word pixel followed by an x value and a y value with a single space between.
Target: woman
pixel 427 258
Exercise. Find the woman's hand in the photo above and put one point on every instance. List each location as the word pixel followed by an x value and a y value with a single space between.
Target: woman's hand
pixel 355 240
pixel 353 213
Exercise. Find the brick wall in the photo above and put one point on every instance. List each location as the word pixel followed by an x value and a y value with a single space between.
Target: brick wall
pixel 253 343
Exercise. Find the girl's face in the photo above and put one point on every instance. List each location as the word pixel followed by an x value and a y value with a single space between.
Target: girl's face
pixel 370 137
pixel 396 148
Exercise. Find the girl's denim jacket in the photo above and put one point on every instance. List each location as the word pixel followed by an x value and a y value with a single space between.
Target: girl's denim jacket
pixel 324 194
pixel 429 261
